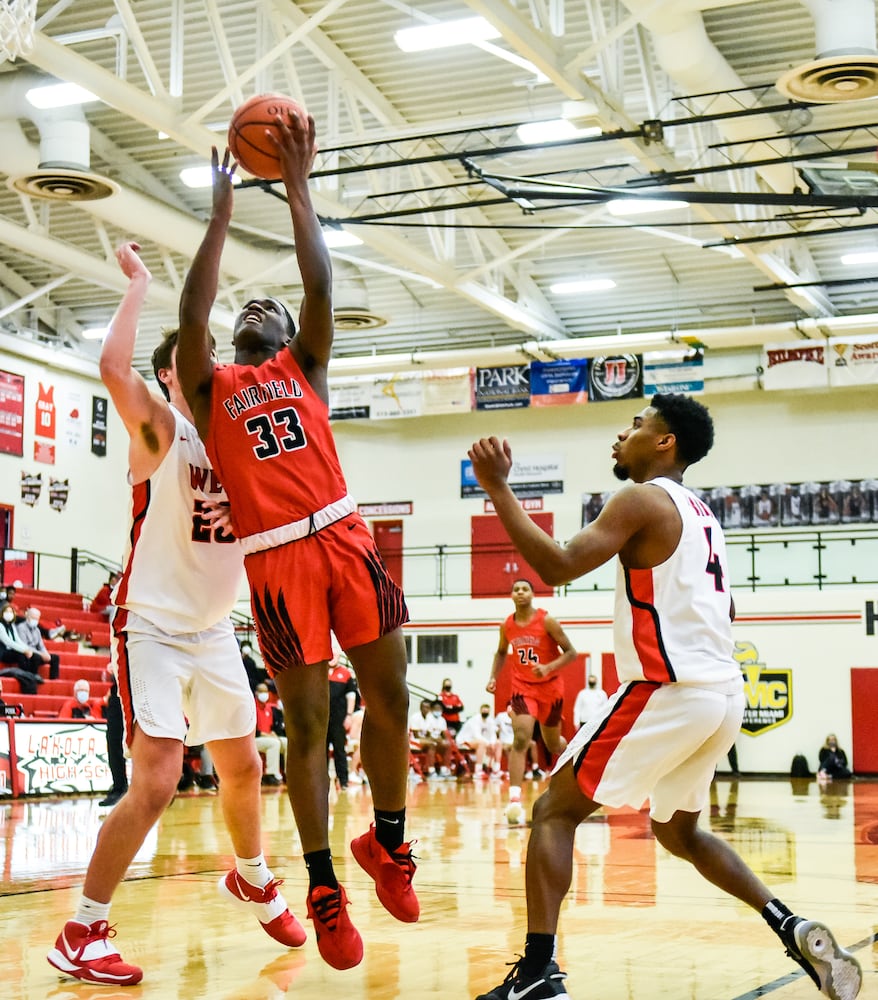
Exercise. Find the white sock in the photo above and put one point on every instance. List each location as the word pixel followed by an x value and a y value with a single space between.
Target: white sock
pixel 253 870
pixel 515 793
pixel 89 911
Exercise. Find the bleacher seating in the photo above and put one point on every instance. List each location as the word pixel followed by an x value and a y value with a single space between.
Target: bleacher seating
pixel 76 659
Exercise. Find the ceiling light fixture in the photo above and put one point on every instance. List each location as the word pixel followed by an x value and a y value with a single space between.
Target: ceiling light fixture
pixel 338 238
pixel 554 130
pixel 201 177
pixel 642 206
pixel 864 257
pixel 59 95
pixel 94 332
pixel 583 285
pixel 444 34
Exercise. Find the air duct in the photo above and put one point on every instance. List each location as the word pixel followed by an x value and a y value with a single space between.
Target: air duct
pixel 846 67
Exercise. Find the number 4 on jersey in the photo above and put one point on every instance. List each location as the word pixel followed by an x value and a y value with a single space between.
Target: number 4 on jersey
pixel 714 566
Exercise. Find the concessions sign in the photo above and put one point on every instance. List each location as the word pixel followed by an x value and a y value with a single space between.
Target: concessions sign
pixel 58 757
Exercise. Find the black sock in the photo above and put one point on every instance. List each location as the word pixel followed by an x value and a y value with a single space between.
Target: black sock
pixel 538 951
pixel 390 828
pixel 320 872
pixel 776 915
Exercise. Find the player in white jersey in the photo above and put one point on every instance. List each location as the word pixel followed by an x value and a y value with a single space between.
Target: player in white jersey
pixel 175 656
pixel 680 702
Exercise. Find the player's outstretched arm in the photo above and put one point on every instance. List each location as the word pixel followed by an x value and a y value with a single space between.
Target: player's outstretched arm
pixel 146 416
pixel 296 148
pixel 194 360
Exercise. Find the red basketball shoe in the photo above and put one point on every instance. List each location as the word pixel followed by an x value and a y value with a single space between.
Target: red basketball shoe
pixel 338 941
pixel 267 904
pixel 84 952
pixel 392 872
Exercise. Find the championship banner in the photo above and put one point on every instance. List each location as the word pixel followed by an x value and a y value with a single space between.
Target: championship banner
pixel 54 758
pixel 350 400
pixel 44 415
pixel 397 396
pixel 673 371
pixel 448 392
pixel 619 376
pixel 559 383
pixel 853 362
pixel 98 426
pixel 502 387
pixel 11 414
pixel 31 487
pixel 73 422
pixel 794 366
pixel 59 491
pixel 528 477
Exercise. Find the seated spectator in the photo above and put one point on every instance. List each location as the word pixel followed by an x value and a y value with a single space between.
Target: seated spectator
pixel 10 600
pixel 271 737
pixel 16 657
pixel 833 760
pixel 80 706
pixel 429 736
pixel 479 733
pixel 102 603
pixel 256 673
pixel 31 634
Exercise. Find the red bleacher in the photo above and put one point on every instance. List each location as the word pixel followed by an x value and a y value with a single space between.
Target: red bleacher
pixel 76 660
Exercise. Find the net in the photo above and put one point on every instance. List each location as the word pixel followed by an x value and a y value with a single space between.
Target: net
pixel 17 19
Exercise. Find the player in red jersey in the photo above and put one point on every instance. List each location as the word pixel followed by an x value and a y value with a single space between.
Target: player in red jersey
pixel 540 649
pixel 311 562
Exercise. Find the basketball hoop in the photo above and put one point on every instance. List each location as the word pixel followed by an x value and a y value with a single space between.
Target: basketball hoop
pixel 17 18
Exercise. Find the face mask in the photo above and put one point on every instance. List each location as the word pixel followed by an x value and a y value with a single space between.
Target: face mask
pixel 82 697
pixel 262 696
pixel 485 715
pixel 8 616
pixel 446 687
pixel 437 713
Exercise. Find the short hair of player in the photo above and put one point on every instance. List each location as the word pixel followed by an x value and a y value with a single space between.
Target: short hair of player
pixel 690 423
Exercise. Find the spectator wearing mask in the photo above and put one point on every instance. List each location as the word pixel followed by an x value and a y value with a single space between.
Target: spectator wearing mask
pixel 31 635
pixel 270 736
pixel 16 657
pixel 588 702
pixel 452 706
pixel 80 706
pixel 479 733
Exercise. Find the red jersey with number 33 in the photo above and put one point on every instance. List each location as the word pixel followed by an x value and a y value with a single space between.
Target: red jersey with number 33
pixel 672 621
pixel 271 444
pixel 531 644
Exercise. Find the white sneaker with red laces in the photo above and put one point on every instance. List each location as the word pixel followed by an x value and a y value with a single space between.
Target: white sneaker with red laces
pixel 267 904
pixel 84 952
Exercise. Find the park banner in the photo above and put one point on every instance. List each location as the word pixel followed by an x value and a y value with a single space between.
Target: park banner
pixel 794 366
pixel 673 371
pixel 11 414
pixel 616 376
pixel 559 383
pixel 853 362
pixel 502 387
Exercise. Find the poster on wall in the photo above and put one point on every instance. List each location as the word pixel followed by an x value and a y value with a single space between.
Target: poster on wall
pixel 853 362
pixel 44 412
pixel 617 376
pixel 502 387
pixel 559 383
pixel 55 758
pixel 768 692
pixel 673 371
pixel 793 366
pixel 59 492
pixel 98 426
pixel 44 451
pixel 350 400
pixel 528 477
pixel 11 414
pixel 73 420
pixel 398 396
pixel 449 391
pixel 31 487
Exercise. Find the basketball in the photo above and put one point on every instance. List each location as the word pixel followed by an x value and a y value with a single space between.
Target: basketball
pixel 248 142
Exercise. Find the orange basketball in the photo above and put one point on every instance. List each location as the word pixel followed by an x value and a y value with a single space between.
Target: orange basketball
pixel 248 142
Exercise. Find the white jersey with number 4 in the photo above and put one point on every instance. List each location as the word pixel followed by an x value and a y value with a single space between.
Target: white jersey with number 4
pixel 179 573
pixel 672 621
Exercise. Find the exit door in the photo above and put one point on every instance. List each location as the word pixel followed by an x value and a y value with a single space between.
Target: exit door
pixel 495 564
pixel 388 541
